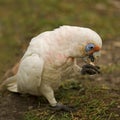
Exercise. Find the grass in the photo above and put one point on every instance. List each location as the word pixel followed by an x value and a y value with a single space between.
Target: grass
pixel 111 68
pixel 20 20
pixel 90 105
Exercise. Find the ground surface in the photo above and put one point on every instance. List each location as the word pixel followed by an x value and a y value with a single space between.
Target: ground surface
pixel 96 97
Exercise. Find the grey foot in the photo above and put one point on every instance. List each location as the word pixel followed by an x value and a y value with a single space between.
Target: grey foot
pixel 61 107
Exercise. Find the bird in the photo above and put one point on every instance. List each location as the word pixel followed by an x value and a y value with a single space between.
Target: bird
pixel 51 55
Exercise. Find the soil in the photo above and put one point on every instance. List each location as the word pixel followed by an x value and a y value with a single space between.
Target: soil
pixel 14 106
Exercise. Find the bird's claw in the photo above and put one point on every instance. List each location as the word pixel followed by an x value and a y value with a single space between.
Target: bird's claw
pixel 90 69
pixel 61 107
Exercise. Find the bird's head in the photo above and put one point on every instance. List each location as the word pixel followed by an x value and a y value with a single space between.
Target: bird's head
pixel 92 46
pixel 88 44
pixel 80 42
pixel 92 52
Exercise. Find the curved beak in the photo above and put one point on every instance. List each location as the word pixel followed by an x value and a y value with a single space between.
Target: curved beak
pixel 93 55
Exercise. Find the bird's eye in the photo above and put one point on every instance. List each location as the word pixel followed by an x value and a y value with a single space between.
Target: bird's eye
pixel 89 47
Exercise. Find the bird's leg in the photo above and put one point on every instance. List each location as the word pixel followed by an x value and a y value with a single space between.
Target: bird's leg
pixel 48 92
pixel 76 68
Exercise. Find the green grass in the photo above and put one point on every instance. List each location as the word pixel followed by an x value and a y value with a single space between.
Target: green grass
pixel 90 105
pixel 111 68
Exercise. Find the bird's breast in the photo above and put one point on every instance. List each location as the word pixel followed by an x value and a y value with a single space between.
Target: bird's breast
pixel 53 75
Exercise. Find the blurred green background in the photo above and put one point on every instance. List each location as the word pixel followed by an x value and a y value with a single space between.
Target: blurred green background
pixel 20 20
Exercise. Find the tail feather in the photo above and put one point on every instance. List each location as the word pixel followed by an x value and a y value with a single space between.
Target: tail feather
pixel 10 84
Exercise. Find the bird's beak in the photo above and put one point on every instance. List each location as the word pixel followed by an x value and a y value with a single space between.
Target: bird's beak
pixel 94 54
pixel 92 58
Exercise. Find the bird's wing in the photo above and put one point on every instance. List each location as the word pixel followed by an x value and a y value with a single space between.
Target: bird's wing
pixel 29 74
pixel 28 77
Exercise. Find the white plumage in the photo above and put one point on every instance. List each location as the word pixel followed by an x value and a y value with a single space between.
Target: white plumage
pixel 50 56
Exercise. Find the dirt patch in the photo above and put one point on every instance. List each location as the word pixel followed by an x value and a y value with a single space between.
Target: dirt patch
pixel 13 106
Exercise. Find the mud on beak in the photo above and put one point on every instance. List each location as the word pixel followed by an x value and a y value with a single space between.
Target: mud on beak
pixel 94 57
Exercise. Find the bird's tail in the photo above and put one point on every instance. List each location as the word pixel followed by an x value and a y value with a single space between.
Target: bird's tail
pixel 10 84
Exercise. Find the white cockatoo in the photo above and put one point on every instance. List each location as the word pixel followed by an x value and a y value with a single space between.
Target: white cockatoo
pixel 50 56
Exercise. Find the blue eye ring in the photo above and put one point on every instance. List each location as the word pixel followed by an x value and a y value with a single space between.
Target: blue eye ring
pixel 89 47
